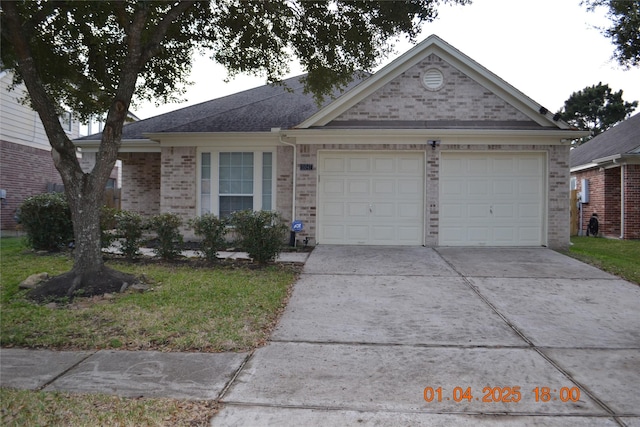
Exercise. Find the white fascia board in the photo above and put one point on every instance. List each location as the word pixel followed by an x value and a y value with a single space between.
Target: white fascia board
pixel 126 146
pixel 584 167
pixel 208 139
pixel 562 136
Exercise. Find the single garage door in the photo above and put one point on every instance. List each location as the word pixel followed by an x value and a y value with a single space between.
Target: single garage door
pixel 370 198
pixel 491 199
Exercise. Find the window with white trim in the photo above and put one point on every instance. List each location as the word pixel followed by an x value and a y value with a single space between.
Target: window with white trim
pixel 235 181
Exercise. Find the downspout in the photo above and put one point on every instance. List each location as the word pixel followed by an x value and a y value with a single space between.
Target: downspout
pixel 295 161
pixel 623 169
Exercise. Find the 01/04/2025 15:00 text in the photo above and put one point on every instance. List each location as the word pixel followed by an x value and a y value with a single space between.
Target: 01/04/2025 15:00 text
pixel 502 394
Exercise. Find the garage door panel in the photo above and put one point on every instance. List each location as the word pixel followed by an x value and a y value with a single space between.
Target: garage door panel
pixel 333 164
pixel 357 210
pixel 384 165
pixel 491 199
pixel 358 164
pixel 357 233
pixel 334 186
pixel 410 166
pixel 477 188
pixel 384 186
pixel 383 210
pixel 409 211
pixel 381 194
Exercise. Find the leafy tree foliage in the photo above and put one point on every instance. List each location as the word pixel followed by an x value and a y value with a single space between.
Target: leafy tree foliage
pixel 596 108
pixel 624 31
pixel 96 57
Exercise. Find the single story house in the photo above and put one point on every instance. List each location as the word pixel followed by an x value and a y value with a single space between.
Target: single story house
pixel 433 149
pixel 606 172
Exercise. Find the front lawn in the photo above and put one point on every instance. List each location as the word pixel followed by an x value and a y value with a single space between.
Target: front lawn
pixel 37 408
pixel 186 308
pixel 619 257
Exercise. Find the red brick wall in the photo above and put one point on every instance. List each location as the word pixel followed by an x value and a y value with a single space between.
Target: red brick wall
pixel 24 171
pixel 632 202
pixel 596 197
pixel 605 200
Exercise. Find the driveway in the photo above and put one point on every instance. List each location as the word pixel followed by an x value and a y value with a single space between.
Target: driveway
pixel 391 336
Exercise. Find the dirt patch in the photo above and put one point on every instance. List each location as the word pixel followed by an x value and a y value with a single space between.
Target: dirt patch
pixel 70 285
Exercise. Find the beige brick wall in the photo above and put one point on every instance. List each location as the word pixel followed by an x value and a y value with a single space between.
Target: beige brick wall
pixel 178 181
pixel 461 98
pixel 141 183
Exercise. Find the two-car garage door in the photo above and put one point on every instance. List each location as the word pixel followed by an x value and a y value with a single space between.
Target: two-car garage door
pixel 378 198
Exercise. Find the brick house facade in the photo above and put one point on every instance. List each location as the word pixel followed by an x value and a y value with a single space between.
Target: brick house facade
pixel 376 165
pixel 610 164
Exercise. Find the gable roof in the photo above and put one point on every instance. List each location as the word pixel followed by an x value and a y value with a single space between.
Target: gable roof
pixel 253 110
pixel 435 45
pixel 623 138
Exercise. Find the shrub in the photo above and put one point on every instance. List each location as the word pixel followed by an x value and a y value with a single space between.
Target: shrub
pixel 167 228
pixel 129 230
pixel 262 234
pixel 107 223
pixel 46 218
pixel 212 230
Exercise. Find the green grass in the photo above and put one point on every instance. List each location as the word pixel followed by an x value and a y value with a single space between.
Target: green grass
pixel 185 309
pixel 32 408
pixel 619 257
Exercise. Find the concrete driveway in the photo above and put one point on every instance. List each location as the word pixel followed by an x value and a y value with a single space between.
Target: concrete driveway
pixel 447 336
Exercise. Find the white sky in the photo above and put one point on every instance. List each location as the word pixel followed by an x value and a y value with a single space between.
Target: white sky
pixel 545 48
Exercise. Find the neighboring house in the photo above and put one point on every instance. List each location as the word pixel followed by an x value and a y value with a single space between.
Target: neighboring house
pixel 433 149
pixel 26 166
pixel 609 165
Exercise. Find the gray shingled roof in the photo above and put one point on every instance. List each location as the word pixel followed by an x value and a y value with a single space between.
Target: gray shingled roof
pixel 623 138
pixel 252 110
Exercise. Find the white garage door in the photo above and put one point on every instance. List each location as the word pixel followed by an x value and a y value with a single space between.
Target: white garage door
pixel 371 198
pixel 492 199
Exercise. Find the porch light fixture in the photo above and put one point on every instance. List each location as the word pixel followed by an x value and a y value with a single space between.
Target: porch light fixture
pixel 433 143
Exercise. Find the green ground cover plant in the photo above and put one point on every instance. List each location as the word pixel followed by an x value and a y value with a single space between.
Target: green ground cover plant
pixel 185 308
pixel 619 257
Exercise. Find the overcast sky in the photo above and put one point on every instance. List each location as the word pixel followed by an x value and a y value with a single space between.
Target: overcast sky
pixel 545 48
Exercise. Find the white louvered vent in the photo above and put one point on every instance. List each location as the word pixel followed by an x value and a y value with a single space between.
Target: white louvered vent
pixel 433 79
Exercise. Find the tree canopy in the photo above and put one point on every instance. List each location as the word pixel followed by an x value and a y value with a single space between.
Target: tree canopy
pixel 95 57
pixel 624 31
pixel 596 108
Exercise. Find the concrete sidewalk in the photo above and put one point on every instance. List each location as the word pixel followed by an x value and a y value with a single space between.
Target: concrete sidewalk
pixel 488 336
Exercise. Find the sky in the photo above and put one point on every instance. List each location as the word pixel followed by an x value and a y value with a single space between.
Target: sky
pixel 547 49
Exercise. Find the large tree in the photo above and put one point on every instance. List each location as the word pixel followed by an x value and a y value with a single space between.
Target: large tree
pixel 624 31
pixel 95 57
pixel 596 108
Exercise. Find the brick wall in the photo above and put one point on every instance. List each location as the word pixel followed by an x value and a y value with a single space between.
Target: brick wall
pixel 612 198
pixel 24 171
pixel 284 182
pixel 178 182
pixel 632 202
pixel 141 183
pixel 405 98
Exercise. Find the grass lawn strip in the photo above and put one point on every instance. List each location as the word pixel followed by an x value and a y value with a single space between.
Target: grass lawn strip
pixel 619 257
pixel 33 408
pixel 185 309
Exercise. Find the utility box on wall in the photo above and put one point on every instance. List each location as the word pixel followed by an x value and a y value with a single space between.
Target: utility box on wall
pixel 584 191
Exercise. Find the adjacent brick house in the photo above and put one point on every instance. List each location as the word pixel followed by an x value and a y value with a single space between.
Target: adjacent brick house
pixel 609 164
pixel 26 166
pixel 433 149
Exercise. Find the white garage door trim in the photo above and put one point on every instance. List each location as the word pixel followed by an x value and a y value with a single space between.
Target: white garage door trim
pixel 492 198
pixel 371 197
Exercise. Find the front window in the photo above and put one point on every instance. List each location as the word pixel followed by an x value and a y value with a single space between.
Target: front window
pixel 235 181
